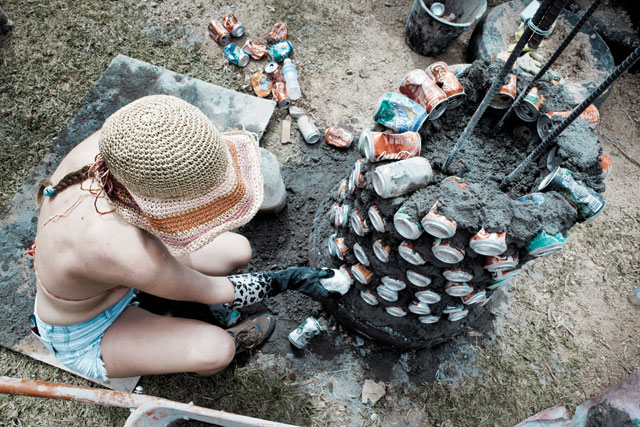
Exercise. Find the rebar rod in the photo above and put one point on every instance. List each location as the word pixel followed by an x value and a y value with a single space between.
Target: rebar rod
pixel 620 69
pixel 576 29
pixel 497 83
pixel 546 22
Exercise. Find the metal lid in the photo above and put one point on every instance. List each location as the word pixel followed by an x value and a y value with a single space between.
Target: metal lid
pixel 419 307
pixel 387 294
pixel 394 284
pixel 456 289
pixel 427 297
pixel 437 9
pixel 369 297
pixel 439 226
pixel 458 275
pixel 446 253
pixel 547 179
pixel 396 311
pixel 270 67
pixel 406 227
pixel 418 279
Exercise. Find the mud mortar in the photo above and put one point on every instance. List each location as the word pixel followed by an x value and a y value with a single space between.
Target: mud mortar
pixel 482 203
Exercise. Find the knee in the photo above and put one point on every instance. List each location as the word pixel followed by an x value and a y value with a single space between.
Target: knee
pixel 220 352
pixel 243 252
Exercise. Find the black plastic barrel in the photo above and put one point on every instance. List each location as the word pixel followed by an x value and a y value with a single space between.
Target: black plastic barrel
pixel 429 35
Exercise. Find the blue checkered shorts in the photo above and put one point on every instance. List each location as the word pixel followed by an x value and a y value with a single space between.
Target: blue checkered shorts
pixel 78 346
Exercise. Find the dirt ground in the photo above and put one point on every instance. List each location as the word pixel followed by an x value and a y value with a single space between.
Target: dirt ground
pixel 564 332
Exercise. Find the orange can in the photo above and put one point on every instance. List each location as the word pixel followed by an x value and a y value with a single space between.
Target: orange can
pixel 219 33
pixel 507 93
pixel 277 34
pixel 361 274
pixel 254 49
pixel 379 146
pixel 273 71
pixel 339 137
pixel 419 87
pixel 261 84
pixel 440 73
pixel 279 91
pixel 232 25
pixel 605 162
pixel 590 113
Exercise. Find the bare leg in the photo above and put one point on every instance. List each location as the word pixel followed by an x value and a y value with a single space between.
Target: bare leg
pixel 224 254
pixel 142 343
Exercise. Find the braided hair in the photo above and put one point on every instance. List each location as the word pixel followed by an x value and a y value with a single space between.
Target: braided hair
pixel 68 180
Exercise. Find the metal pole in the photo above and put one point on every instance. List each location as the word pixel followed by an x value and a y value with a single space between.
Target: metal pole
pixel 551 60
pixel 546 23
pixel 620 69
pixel 497 83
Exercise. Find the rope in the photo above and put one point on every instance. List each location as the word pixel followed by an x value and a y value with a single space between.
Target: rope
pixel 620 69
pixel 495 85
pixel 538 31
pixel 576 29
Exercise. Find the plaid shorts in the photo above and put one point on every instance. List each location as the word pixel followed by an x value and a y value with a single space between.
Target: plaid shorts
pixel 78 346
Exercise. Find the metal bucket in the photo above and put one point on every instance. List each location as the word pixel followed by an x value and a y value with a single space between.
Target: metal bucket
pixel 429 35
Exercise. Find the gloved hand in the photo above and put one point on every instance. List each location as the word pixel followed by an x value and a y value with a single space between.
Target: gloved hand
pixel 254 287
pixel 302 279
pixel 531 62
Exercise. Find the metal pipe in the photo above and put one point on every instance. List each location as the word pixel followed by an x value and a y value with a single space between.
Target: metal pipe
pixel 551 60
pixel 499 81
pixel 546 22
pixel 620 69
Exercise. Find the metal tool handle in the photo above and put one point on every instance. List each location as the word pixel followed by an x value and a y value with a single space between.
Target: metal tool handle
pixel 499 81
pixel 620 69
pixel 551 60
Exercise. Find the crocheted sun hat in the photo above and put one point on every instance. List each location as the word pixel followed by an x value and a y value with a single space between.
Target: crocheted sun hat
pixel 175 176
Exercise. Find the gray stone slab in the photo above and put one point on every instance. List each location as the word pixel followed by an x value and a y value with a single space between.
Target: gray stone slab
pixel 124 81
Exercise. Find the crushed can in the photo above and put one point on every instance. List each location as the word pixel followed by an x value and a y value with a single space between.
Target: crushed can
pixel 368 297
pixel 308 129
pixel 605 163
pixel 358 224
pixel 278 33
pixel 507 93
pixel 399 113
pixel 427 320
pixel 440 73
pixel 360 254
pixel 428 297
pixel 587 202
pixel 397 178
pixel 361 274
pixel 419 307
pixel 544 244
pixel 446 252
pixel 396 311
pixel 387 294
pixel 406 222
pixel 342 190
pixel 376 219
pixel 410 255
pixel 417 279
pixel 458 289
pixel 381 250
pixel 235 55
pixel 380 146
pixel 279 91
pixel 279 51
pixel 273 71
pixel 437 224
pixel 255 50
pixel 308 329
pixel 490 244
pixel 261 84
pixel 219 33
pixel 529 109
pixel 232 25
pixel 394 284
pixel 419 87
pixel 339 137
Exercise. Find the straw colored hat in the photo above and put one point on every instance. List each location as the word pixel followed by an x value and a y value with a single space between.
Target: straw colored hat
pixel 175 176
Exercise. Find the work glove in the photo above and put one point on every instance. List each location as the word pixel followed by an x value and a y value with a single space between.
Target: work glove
pixel 531 62
pixel 254 287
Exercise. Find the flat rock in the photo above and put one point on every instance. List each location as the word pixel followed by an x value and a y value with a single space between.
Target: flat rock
pixel 275 193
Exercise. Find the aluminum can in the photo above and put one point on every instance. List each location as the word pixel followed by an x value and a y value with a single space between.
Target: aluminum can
pixel 605 163
pixel 457 289
pixel 344 268
pixel 588 203
pixel 361 274
pixel 440 73
pixel 361 256
pixel 529 109
pixel 406 223
pixel 279 51
pixel 232 25
pixel 333 212
pixel 419 87
pixel 460 182
pixel 393 284
pixel 457 275
pixel 396 311
pixel 545 121
pixel 219 33
pixel 235 55
pixel 387 294
pixel 376 219
pixel 397 178
pixel 358 224
pixel 338 137
pixel 308 329
pixel 491 244
pixel 544 244
pixel 279 91
pixel 408 254
pixel 544 125
pixel 428 297
pixel 452 309
pixel 254 49
pixel 379 146
pixel 273 71
pixel 419 307
pixel 438 225
pixel 506 95
pixel 556 78
pixel 474 298
pixel 428 319
pixel 381 250
pixel 308 129
pixel 399 113
pixel 278 33
pixel 342 216
pixel 338 247
pixel 500 284
pixel 342 190
pixel 458 315
pixel 437 9
pixel 261 84
pixel 506 262
pixel 368 297
pixel 501 275
pixel 446 252
pixel 418 279
pixel 358 173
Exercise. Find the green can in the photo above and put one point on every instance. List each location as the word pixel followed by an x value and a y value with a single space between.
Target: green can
pixel 587 202
pixel 279 51
pixel 545 244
